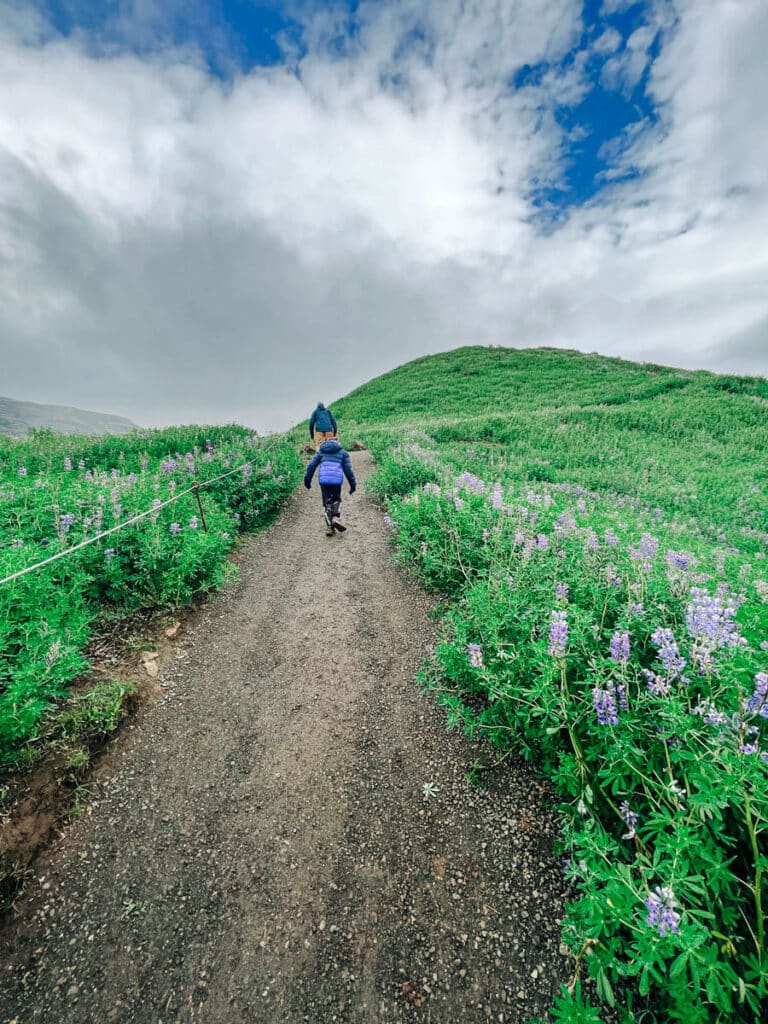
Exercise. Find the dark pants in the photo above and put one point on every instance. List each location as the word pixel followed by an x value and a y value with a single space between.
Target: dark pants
pixel 331 497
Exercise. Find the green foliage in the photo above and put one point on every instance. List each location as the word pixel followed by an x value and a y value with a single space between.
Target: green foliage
pixel 57 491
pixel 606 504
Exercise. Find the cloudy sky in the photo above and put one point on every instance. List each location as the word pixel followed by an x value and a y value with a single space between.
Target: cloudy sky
pixel 229 209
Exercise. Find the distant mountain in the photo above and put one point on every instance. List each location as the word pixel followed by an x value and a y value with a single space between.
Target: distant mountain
pixel 18 417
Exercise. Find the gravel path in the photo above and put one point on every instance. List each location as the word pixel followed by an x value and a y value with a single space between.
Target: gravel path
pixel 262 850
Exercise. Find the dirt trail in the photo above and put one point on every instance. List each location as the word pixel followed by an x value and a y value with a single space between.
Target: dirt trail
pixel 262 850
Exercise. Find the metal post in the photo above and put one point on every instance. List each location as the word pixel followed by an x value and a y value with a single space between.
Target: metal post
pixel 196 492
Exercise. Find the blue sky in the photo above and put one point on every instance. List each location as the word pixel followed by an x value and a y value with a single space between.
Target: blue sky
pixel 235 36
pixel 217 209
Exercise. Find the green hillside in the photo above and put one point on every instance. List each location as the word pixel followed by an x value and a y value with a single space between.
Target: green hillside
pixel 598 533
pixel 688 441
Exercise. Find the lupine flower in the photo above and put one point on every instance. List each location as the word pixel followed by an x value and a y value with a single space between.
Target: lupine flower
pixel 81 464
pixel 581 506
pixel 109 554
pixel 388 522
pixel 630 819
pixel 115 474
pixel 497 499
pixel 605 707
pixel 679 559
pixel 22 470
pixel 668 651
pixel 645 552
pixel 67 463
pixel 168 466
pixel 193 523
pixel 475 653
pixel 611 540
pixel 432 488
pixel 565 522
pixel 424 549
pixel 558 634
pixel 709 713
pixel 209 444
pixel 17 543
pixel 758 702
pixel 175 528
pixel 658 685
pixel 542 542
pixel 620 648
pixel 749 748
pixel 661 911
pixel 190 460
pixel 143 463
pixel 711 618
pixel 561 591
pixel 65 522
pixel 636 609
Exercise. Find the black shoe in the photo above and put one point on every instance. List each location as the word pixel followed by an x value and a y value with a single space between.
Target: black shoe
pixel 338 526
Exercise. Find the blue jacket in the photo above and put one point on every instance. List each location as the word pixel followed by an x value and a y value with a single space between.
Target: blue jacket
pixel 321 419
pixel 334 464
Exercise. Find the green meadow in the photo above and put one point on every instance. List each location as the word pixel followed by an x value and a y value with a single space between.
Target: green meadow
pixel 598 532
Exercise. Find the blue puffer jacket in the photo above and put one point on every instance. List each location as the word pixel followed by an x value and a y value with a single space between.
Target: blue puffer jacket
pixel 334 464
pixel 321 419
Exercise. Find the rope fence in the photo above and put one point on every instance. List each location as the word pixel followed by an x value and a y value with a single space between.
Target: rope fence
pixel 194 489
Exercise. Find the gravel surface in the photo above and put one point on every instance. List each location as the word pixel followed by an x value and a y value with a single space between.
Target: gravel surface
pixel 262 850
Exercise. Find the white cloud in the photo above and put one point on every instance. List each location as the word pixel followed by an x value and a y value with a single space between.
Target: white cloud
pixel 173 246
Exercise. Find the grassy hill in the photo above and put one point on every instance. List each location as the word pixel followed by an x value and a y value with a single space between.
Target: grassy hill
pixel 17 418
pixel 690 442
pixel 598 533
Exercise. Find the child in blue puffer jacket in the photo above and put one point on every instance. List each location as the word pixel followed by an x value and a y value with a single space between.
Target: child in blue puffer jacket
pixel 335 464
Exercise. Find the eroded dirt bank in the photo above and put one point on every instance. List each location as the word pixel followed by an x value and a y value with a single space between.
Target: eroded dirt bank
pixel 261 849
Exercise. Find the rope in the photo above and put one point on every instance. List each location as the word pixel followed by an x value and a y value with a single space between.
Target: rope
pixel 135 519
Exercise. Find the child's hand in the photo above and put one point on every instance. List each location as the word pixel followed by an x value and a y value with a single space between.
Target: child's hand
pixel 308 486
pixel 352 490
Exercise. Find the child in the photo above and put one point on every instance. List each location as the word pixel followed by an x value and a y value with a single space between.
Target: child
pixel 334 465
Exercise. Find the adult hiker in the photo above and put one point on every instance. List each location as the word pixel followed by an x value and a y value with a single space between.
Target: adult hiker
pixel 322 424
pixel 335 464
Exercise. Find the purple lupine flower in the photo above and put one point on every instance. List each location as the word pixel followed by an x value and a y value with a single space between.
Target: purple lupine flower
pixel 561 591
pixel 81 464
pixel 679 559
pixel 458 503
pixel 591 542
pixel 620 648
pixel 475 653
pixel 619 691
pixel 661 911
pixel 109 554
pixel 758 702
pixel 630 819
pixel 612 578
pixel 193 524
pixel 115 474
pixel 389 522
pixel 247 470
pixel 497 499
pixel 565 522
pixel 424 549
pixel 175 528
pixel 711 618
pixel 645 552
pixel 558 634
pixel 709 713
pixel 605 706
pixel 432 488
pixel 749 748
pixel 67 463
pixel 88 475
pixel 190 460
pixel 542 542
pixel 581 506
pixel 658 685
pixel 22 470
pixel 611 540
pixel 65 522
pixel 168 466
pixel 208 444
pixel 143 463
pixel 668 651
pixel 172 486
pixel 470 482
pixel 17 543
pixel 155 509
